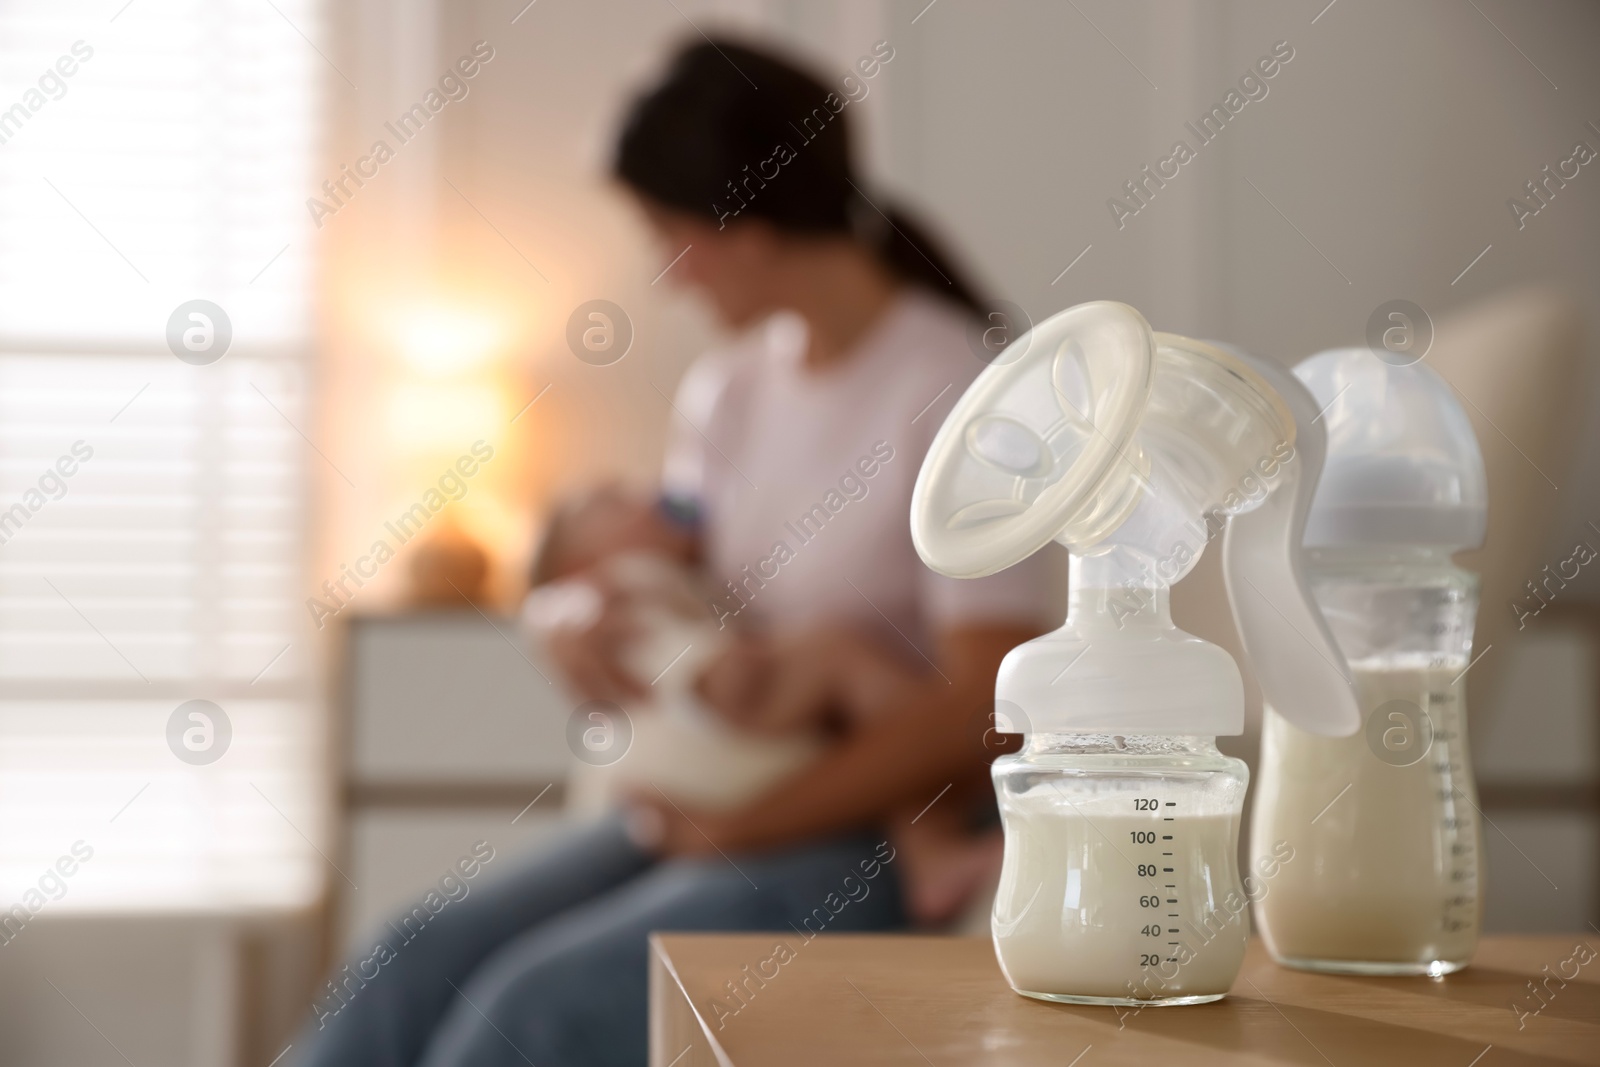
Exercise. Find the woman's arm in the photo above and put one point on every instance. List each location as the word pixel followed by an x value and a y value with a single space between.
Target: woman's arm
pixel 930 733
pixel 804 682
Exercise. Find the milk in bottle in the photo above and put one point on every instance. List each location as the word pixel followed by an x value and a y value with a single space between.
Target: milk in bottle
pixel 1389 874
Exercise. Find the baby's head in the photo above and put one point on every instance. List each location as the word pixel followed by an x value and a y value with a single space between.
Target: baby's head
pixel 608 521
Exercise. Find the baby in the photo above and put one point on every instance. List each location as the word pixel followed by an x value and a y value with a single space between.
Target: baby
pixel 645 553
pixel 609 542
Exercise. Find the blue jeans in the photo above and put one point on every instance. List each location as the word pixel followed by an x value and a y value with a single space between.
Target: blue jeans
pixel 548 963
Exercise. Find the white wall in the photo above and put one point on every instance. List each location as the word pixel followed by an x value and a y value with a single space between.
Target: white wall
pixel 1391 141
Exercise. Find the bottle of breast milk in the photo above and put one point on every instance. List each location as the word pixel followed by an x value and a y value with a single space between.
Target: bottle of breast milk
pixel 1121 883
pixel 1388 874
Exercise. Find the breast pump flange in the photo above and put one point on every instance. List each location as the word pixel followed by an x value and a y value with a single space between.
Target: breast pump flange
pixel 1133 449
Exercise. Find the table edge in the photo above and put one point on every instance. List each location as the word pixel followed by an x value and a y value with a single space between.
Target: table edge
pixel 664 960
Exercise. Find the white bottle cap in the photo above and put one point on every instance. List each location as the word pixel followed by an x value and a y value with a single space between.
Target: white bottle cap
pixel 1403 465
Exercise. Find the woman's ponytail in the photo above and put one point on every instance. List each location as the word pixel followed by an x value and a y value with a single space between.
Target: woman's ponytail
pixel 913 255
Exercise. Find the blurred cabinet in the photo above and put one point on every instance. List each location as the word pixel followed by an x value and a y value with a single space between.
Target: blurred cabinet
pixel 452 733
pixel 1537 758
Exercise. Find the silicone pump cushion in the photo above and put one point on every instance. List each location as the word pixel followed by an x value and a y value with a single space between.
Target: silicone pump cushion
pixel 1040 447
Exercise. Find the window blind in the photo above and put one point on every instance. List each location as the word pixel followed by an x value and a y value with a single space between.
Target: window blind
pixel 152 511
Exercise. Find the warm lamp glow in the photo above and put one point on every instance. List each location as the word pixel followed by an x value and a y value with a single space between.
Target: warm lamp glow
pixel 435 419
pixel 440 340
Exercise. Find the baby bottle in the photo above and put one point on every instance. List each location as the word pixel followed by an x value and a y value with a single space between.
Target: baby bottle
pixel 1388 870
pixel 1120 883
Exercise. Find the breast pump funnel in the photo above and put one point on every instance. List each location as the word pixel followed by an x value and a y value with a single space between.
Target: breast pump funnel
pixel 1133 449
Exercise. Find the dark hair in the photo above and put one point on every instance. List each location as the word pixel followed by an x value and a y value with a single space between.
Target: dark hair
pixel 702 139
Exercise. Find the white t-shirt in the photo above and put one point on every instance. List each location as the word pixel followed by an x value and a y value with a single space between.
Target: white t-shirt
pixel 804 479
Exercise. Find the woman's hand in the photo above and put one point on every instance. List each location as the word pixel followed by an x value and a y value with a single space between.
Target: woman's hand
pixel 780 684
pixel 588 643
pixel 734 683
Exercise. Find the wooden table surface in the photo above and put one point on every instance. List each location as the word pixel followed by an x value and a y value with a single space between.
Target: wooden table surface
pixel 900 999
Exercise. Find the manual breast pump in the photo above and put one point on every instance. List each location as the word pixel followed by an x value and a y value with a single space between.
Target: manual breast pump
pixel 1120 883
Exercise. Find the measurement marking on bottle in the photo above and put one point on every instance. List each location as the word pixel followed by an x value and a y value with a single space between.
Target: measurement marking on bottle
pixel 1166 818
pixel 1172 803
pixel 1166 853
pixel 1166 837
pixel 1166 870
pixel 1173 930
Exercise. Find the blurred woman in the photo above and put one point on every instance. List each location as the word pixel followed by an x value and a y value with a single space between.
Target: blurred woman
pixel 790 477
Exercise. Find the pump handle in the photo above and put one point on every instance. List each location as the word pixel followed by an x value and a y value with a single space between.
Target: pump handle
pixel 1303 673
